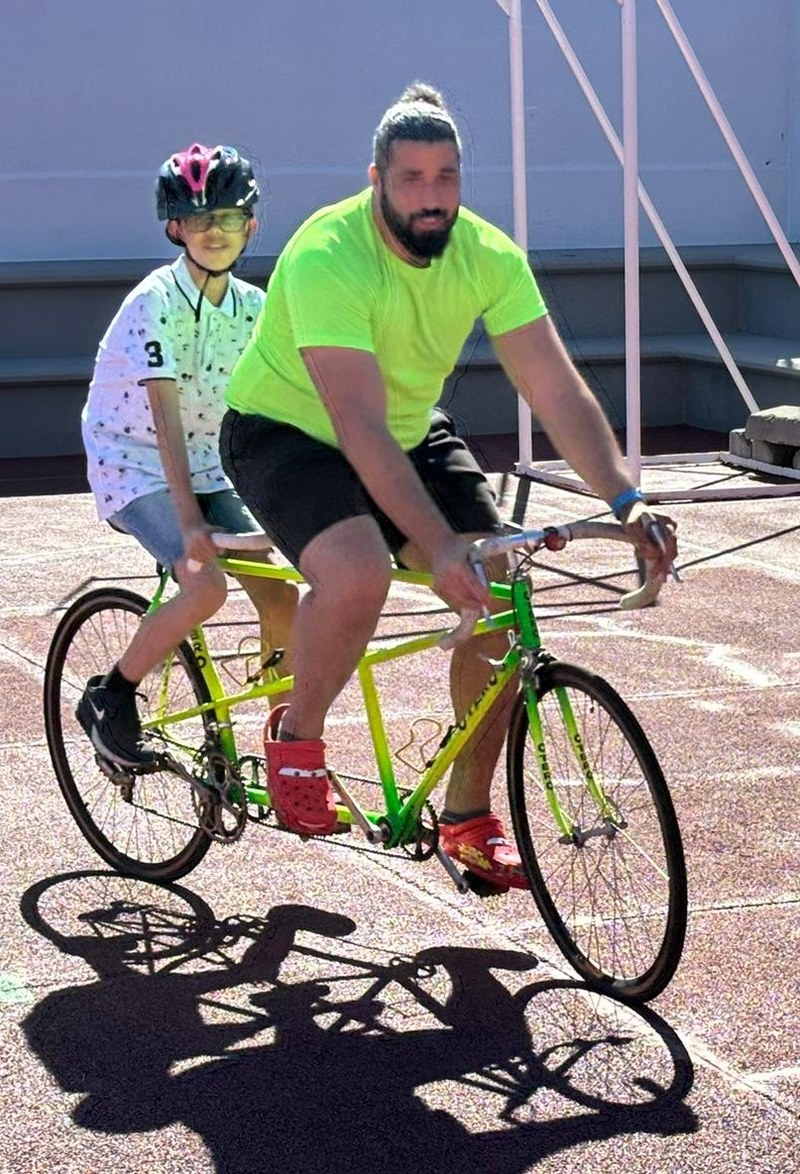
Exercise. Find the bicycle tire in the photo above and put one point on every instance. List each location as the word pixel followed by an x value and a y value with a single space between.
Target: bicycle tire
pixel 155 834
pixel 615 902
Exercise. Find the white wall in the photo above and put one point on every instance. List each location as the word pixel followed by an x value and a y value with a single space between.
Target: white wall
pixel 793 199
pixel 95 93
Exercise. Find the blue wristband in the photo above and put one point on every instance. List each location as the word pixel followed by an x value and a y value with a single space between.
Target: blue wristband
pixel 625 498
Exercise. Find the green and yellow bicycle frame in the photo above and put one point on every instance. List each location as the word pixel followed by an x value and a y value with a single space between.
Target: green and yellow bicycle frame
pixel 398 824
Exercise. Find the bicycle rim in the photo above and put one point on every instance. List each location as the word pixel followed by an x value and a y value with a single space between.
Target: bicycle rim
pixel 613 892
pixel 152 832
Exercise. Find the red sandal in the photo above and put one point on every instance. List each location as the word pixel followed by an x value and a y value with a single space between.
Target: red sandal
pixel 481 845
pixel 298 782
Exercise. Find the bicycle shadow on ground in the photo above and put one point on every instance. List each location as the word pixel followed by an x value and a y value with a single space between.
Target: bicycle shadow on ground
pixel 289 1041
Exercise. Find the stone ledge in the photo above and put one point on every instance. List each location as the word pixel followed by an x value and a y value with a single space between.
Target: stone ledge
pixel 778 426
pixel 770 438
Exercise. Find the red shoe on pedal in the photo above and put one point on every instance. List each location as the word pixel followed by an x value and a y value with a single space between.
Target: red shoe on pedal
pixel 481 845
pixel 299 787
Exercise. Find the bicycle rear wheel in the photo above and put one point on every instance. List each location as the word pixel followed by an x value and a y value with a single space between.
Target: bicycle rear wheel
pixel 612 890
pixel 142 825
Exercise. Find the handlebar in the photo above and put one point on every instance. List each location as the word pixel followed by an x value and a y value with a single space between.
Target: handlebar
pixel 555 538
pixel 251 540
pixel 480 552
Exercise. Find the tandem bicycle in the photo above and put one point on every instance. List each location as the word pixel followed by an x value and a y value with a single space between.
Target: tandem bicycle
pixel 591 812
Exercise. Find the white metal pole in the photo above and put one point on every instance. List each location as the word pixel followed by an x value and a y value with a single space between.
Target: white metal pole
pixel 630 165
pixel 725 127
pixel 648 206
pixel 520 187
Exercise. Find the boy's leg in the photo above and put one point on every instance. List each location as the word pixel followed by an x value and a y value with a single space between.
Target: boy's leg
pixel 107 710
pixel 275 600
pixel 153 522
pixel 202 593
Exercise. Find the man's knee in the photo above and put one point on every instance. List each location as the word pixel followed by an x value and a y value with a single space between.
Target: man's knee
pixel 351 591
pixel 349 564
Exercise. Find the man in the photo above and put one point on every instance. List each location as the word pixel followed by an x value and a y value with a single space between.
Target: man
pixel 332 441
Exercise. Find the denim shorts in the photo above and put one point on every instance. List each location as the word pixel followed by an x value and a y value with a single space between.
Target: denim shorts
pixel 152 521
pixel 297 486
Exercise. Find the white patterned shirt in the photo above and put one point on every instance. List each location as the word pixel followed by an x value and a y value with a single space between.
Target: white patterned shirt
pixel 154 335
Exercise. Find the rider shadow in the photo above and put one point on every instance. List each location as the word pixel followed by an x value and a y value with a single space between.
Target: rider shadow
pixel 437 1063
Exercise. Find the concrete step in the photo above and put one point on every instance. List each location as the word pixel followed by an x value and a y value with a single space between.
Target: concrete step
pixel 746 288
pixel 683 380
pixel 46 369
pixel 40 405
pixel 55 312
pixel 752 351
pixel 52 308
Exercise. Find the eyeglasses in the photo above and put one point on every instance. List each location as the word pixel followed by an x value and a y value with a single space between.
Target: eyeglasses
pixel 227 221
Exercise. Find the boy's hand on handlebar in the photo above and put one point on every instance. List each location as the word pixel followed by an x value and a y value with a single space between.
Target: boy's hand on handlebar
pixel 654 535
pixel 454 578
pixel 198 546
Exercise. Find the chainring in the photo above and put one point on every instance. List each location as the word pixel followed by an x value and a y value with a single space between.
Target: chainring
pixel 426 838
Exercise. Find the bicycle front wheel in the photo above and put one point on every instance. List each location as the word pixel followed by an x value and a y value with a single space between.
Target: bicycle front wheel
pixel 610 878
pixel 142 825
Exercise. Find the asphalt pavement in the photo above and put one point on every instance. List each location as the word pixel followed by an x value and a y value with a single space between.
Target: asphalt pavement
pixel 324 1006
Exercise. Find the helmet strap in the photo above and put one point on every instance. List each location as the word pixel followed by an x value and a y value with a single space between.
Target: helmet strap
pixel 210 273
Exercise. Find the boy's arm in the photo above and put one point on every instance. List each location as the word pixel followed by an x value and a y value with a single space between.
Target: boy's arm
pixel 165 407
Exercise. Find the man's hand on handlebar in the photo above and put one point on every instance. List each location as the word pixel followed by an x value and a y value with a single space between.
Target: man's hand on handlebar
pixel 455 579
pixel 654 535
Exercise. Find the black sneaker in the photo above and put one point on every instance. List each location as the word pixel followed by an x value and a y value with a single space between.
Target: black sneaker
pixel 111 721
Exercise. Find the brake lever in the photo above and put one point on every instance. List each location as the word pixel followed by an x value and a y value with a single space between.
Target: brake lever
pixel 654 532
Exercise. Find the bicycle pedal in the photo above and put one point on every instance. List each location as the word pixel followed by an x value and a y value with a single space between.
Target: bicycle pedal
pixel 128 774
pixel 117 774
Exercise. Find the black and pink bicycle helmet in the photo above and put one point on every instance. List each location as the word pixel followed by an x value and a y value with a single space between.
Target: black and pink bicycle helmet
pixel 201 179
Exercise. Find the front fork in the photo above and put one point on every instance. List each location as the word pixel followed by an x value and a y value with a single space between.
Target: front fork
pixel 607 811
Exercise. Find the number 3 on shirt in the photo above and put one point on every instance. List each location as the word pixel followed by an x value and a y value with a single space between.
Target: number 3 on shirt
pixel 155 355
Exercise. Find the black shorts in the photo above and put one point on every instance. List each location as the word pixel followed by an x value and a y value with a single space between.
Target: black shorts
pixel 297 487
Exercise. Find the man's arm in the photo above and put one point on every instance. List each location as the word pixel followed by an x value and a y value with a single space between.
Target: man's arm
pixel 538 365
pixel 351 387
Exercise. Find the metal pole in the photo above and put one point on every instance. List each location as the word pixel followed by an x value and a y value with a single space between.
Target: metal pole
pixel 648 206
pixel 630 165
pixel 520 187
pixel 728 134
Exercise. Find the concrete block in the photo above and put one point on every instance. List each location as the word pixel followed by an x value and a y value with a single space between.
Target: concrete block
pixel 778 426
pixel 739 445
pixel 773 454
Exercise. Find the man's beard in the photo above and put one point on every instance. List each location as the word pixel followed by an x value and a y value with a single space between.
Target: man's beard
pixel 424 245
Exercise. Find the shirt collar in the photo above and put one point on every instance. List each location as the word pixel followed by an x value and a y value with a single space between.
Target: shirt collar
pixel 185 283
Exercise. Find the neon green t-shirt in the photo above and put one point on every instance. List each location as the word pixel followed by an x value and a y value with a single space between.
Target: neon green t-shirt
pixel 336 283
